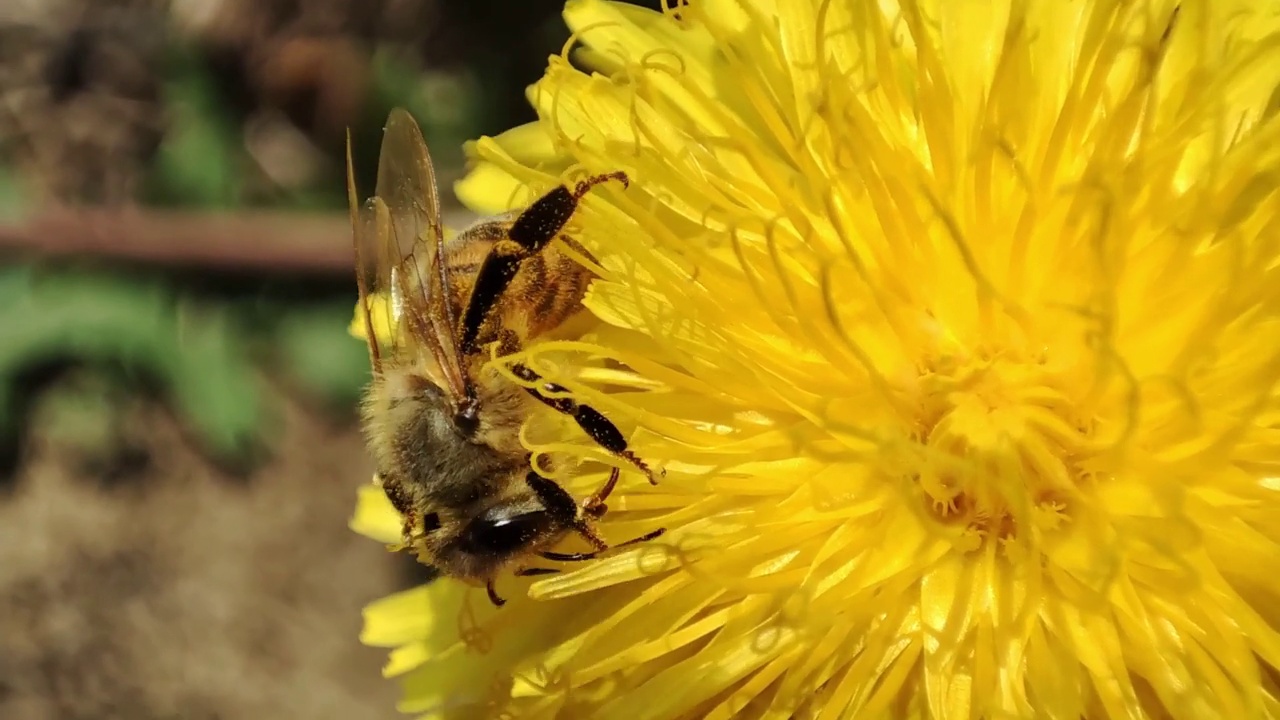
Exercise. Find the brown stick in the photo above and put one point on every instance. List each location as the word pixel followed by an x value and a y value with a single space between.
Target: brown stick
pixel 274 241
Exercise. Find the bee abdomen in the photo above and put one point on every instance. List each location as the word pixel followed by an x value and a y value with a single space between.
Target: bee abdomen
pixel 552 286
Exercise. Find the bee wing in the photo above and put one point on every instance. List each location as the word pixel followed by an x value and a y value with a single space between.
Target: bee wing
pixel 399 241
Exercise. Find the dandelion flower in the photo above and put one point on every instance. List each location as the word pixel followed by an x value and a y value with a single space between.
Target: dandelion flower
pixel 957 332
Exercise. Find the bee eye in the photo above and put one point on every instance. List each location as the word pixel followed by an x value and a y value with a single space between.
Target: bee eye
pixel 495 533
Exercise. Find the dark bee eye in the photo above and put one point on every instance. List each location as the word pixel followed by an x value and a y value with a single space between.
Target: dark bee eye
pixel 498 533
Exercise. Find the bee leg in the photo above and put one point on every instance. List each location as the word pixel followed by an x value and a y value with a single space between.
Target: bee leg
pixel 563 508
pixel 598 427
pixel 532 571
pixel 584 186
pixel 595 506
pixel 493 594
pixel 561 505
pixel 575 557
pixel 532 231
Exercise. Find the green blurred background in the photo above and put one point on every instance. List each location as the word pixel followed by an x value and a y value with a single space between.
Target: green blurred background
pixel 178 448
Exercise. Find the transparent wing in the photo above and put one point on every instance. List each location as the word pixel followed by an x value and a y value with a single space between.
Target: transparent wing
pixel 399 242
pixel 373 270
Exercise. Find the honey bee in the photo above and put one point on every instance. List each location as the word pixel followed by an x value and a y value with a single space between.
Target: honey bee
pixel 441 424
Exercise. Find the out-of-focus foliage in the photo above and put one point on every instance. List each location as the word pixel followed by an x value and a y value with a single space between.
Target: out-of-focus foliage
pixel 11 204
pixel 195 352
pixel 318 352
pixel 203 161
pixel 197 163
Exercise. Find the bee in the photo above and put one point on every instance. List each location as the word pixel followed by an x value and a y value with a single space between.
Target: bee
pixel 443 425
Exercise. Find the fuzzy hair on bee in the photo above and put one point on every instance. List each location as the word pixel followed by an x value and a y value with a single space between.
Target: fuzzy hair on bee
pixel 442 424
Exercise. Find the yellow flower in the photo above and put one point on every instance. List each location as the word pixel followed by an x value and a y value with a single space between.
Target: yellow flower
pixel 955 326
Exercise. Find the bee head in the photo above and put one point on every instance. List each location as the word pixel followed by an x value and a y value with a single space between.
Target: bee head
pixel 506 529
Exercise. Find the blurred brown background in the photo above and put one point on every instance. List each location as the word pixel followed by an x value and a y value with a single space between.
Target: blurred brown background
pixel 178 448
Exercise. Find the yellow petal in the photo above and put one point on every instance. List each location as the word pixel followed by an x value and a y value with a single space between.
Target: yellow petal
pixel 375 517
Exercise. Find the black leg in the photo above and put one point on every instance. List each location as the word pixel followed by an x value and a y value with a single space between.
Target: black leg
pixel 532 231
pixel 561 506
pixel 595 506
pixel 499 268
pixel 532 571
pixel 493 594
pixel 574 557
pixel 559 503
pixel 598 427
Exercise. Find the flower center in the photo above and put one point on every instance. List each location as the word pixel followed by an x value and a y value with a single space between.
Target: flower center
pixel 1003 444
